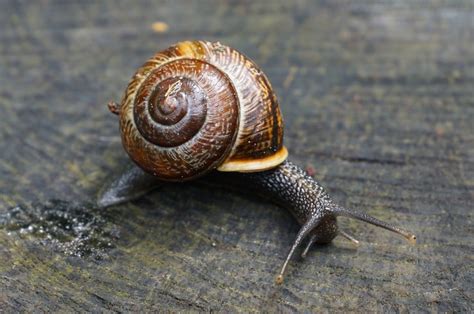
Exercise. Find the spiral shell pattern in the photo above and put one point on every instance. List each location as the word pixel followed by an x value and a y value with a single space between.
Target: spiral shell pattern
pixel 198 106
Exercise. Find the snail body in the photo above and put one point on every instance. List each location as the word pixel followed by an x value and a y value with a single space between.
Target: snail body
pixel 201 108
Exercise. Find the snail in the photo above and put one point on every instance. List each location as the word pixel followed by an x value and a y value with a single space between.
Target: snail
pixel 204 109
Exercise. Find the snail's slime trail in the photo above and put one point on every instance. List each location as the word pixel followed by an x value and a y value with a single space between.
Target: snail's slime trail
pixel 73 229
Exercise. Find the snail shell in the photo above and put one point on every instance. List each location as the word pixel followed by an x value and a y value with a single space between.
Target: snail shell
pixel 199 106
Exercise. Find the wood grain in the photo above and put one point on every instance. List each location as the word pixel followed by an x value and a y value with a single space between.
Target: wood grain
pixel 376 97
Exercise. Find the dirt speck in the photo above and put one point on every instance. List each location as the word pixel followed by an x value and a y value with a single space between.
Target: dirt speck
pixel 159 27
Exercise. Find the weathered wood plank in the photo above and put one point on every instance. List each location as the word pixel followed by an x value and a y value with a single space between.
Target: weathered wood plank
pixel 377 97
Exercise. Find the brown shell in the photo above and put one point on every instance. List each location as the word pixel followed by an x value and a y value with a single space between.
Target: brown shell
pixel 199 106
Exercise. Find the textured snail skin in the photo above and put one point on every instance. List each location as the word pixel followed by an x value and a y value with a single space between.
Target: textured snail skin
pixel 292 188
pixel 203 108
pixel 287 185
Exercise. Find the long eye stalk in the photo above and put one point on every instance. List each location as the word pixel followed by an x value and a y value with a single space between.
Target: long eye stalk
pixel 304 231
pixel 374 221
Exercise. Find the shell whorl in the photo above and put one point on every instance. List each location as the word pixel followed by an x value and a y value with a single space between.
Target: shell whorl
pixel 171 112
pixel 198 106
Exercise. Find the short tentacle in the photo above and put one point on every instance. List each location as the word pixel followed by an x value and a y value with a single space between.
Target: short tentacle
pixel 311 241
pixel 349 237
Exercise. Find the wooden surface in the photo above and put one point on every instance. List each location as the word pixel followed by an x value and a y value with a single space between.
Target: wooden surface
pixel 377 97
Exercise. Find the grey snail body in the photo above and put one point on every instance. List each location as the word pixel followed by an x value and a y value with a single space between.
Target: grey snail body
pixel 203 109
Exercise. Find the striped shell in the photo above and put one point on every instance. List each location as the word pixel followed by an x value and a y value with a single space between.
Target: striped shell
pixel 199 106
